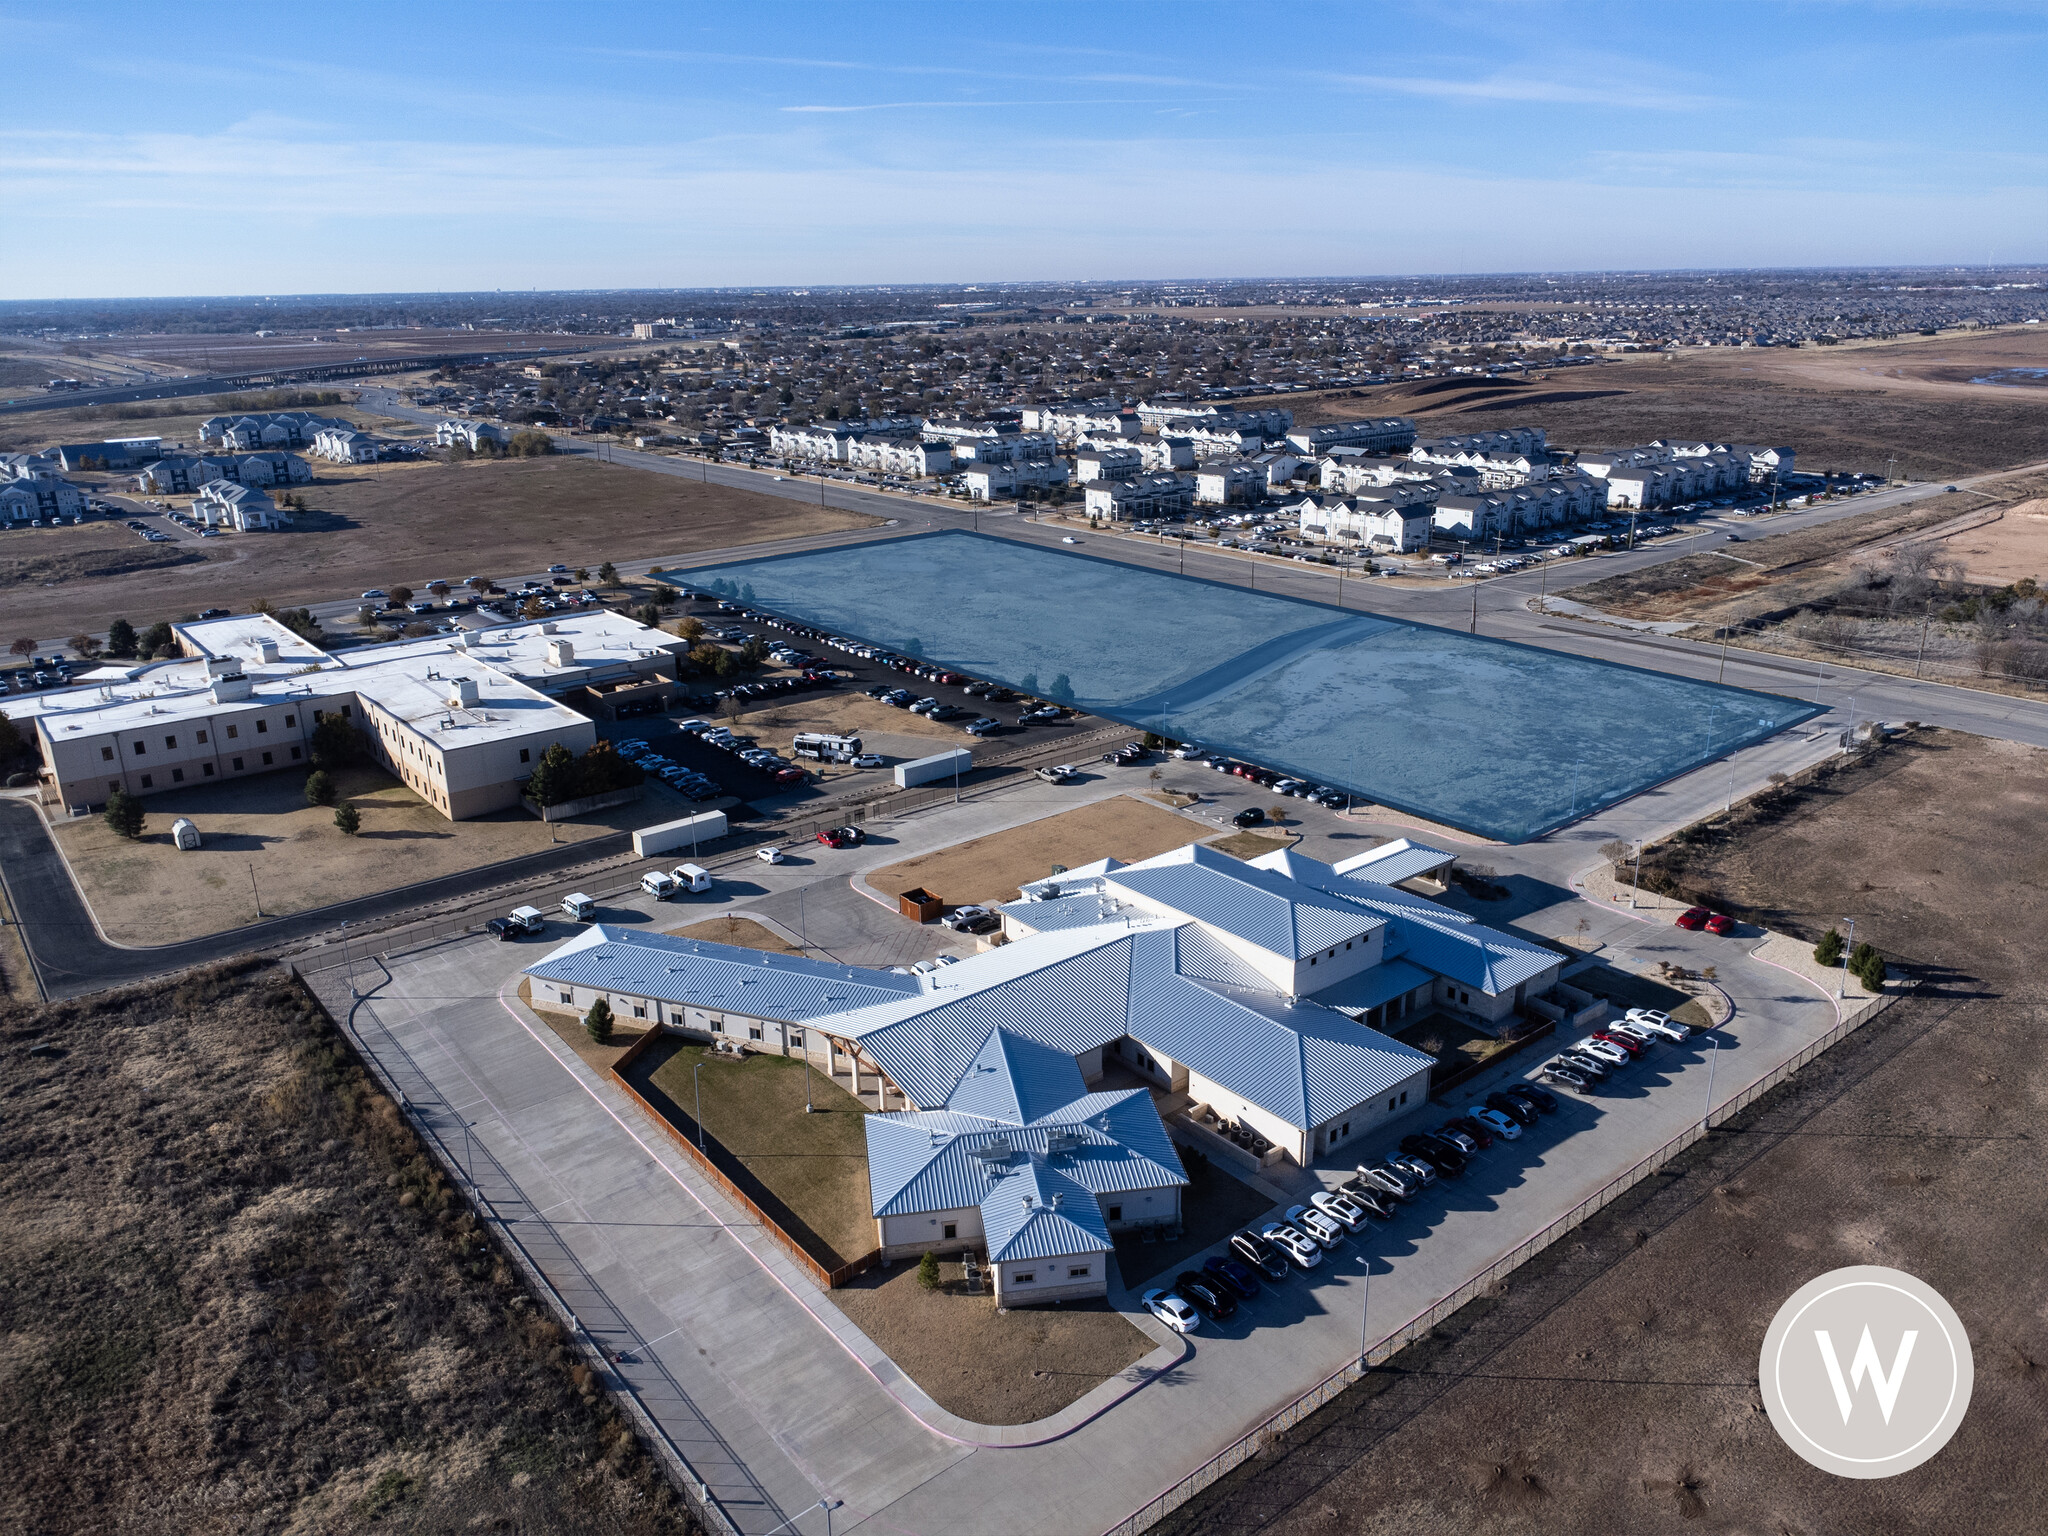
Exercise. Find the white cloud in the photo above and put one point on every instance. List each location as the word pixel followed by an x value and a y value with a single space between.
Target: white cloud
pixel 1534 86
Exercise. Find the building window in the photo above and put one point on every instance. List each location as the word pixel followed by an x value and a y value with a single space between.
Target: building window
pixel 177 775
pixel 1311 959
pixel 567 997
pixel 1025 1277
pixel 234 731
pixel 525 755
pixel 796 1040
pixel 950 1231
pixel 262 727
pixel 639 1010
pixel 145 781
pixel 1344 1130
pixel 1078 1271
pixel 266 759
pixel 319 715
pixel 112 785
pixel 295 754
pixel 202 738
pixel 206 770
pixel 140 748
pixel 1116 1213
pixel 676 1019
pixel 171 743
pixel 1404 1095
pixel 717 1026
pixel 238 761
pixel 106 754
pixel 1347 943
pixel 290 722
pixel 753 1031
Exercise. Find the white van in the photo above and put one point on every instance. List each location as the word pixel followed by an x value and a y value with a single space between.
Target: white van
pixel 579 907
pixel 658 885
pixel 691 877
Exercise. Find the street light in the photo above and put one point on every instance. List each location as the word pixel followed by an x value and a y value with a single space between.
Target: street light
pixel 698 1077
pixel 1842 987
pixel 1713 1056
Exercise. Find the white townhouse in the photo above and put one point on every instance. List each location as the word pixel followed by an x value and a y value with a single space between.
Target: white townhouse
pixel 1396 520
pixel 1154 453
pixel 908 456
pixel 1009 448
pixel 1383 434
pixel 244 508
pixel 1142 496
pixel 1108 464
pixel 1065 423
pixel 345 445
pixel 1215 440
pixel 1237 483
pixel 472 434
pixel 37 496
pixel 1000 482
pixel 266 429
pixel 1532 441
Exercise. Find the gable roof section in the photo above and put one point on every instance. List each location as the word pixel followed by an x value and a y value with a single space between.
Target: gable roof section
pixel 1436 938
pixel 1016 1078
pixel 718 976
pixel 1250 901
pixel 1020 1220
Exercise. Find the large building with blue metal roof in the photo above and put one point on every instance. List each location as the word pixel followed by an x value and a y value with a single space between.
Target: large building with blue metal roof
pixel 1253 988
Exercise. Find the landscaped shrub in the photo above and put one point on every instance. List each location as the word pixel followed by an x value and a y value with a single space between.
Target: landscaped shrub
pixel 560 776
pixel 349 819
pixel 124 813
pixel 597 1023
pixel 928 1272
pixel 319 788
pixel 1829 950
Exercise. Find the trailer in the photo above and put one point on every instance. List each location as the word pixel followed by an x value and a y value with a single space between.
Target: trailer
pixel 823 747
pixel 691 832
pixel 942 765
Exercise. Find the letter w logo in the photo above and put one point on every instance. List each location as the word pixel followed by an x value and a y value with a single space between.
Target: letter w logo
pixel 1886 1386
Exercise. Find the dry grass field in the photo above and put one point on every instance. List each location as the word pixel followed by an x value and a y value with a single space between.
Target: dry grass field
pixel 237 1296
pixel 742 932
pixel 148 892
pixel 990 1368
pixel 175 421
pixel 386 525
pixel 1851 407
pixel 990 869
pixel 1611 1384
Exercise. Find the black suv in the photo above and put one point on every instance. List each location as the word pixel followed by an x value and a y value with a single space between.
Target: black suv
pixel 1446 1159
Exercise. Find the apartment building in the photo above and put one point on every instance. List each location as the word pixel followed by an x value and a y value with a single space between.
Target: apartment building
pixel 1240 483
pixel 1009 448
pixel 1141 496
pixel 266 429
pixel 345 445
pixel 1383 434
pixel 244 508
pixel 1270 421
pixel 460 720
pixel 1065 423
pixel 115 453
pixel 472 434
pixel 1154 453
pixel 1214 440
pixel 37 495
pixel 908 456
pixel 1396 520
pixel 1108 463
pixel 1000 482
pixel 1530 440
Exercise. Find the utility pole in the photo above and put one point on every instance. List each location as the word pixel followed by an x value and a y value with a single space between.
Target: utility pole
pixel 1891 466
pixel 1925 622
pixel 1722 670
pixel 1636 884
pixel 254 892
pixel 1475 608
pixel 698 1075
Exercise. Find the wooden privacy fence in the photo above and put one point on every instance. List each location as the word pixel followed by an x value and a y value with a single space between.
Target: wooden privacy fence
pixel 831 1279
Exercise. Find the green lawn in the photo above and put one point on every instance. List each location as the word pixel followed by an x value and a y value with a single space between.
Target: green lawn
pixel 808 1171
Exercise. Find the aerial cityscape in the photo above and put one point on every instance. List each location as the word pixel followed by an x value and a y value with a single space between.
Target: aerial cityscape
pixel 690 844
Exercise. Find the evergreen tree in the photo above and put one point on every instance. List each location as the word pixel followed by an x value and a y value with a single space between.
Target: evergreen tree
pixel 597 1023
pixel 124 814
pixel 349 820
pixel 1829 950
pixel 336 744
pixel 121 639
pixel 555 778
pixel 928 1271
pixel 608 574
pixel 319 788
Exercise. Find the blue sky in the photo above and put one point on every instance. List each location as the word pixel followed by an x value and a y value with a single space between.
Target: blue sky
pixel 373 147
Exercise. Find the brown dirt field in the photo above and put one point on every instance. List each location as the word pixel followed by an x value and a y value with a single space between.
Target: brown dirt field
pixel 1848 407
pixel 303 349
pixel 990 869
pixel 238 1296
pixel 148 892
pixel 1776 571
pixel 1010 1368
pixel 1611 1384
pixel 49 557
pixel 1249 845
pixel 743 932
pixel 855 714
pixel 2006 550
pixel 386 525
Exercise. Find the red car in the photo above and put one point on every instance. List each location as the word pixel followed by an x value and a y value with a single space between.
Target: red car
pixel 1694 918
pixel 791 776
pixel 1720 922
pixel 1627 1043
pixel 842 837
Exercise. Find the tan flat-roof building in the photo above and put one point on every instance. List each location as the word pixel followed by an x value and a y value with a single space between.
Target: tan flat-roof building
pixel 459 719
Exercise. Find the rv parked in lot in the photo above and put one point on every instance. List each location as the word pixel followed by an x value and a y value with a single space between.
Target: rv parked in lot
pixel 825 748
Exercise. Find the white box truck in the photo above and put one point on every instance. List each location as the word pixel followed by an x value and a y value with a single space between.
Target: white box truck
pixel 691 833
pixel 942 765
pixel 820 746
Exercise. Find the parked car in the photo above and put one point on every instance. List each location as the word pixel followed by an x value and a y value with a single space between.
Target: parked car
pixel 517 923
pixel 1693 918
pixel 1373 1201
pixel 1229 1274
pixel 1602 1051
pixel 962 919
pixel 1559 1072
pixel 1447 1159
pixel 1504 1125
pixel 842 837
pixel 1347 1214
pixel 985 726
pixel 1720 922
pixel 1260 1254
pixel 1464 1133
pixel 1394 1181
pixel 1044 716
pixel 770 855
pixel 868 760
pixel 1325 1230
pixel 1590 1067
pixel 1528 1093
pixel 1210 1299
pixel 1173 1311
pixel 1522 1113
pixel 1657 1023
pixel 1251 816
pixel 1621 1041
pixel 1061 774
pixel 1422 1172
pixel 1296 1245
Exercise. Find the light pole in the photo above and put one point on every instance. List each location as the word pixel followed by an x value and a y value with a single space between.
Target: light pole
pixel 698 1077
pixel 1842 987
pixel 1475 608
pixel 1713 1056
pixel 1722 670
pixel 1636 884
pixel 1364 1307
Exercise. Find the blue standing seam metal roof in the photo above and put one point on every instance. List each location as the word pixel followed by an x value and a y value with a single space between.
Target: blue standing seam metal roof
pixel 1014 1077
pixel 1020 1220
pixel 1263 908
pixel 1393 862
pixel 929 1160
pixel 725 977
pixel 1436 938
pixel 1368 989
